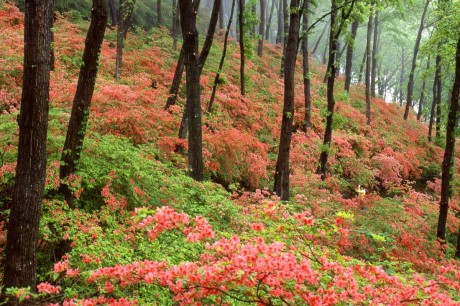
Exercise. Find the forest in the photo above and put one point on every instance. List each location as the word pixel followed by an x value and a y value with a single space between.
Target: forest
pixel 229 152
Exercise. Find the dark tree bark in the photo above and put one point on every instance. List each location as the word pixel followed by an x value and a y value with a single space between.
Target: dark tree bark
pixel 325 53
pixel 175 85
pixel 125 12
pixel 194 64
pixel 192 68
pixel 113 13
pixel 279 33
pixel 375 52
pixel 320 38
pixel 52 19
pixel 401 77
pixel 433 111
pixel 448 160
pixel 241 41
pixel 349 60
pixel 334 34
pixel 361 67
pixel 437 77
pixel 410 83
pixel 269 22
pixel 422 94
pixel 306 67
pixel 159 15
pixel 282 165
pixel 24 219
pixel 285 33
pixel 260 47
pixel 175 24
pixel 368 69
pixel 82 101
pixel 177 78
pixel 222 59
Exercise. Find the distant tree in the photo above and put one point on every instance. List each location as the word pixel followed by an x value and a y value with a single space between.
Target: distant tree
pixel 125 13
pixel 269 22
pixel 306 66
pixel 410 83
pixel 433 110
pixel 280 32
pixel 368 66
pixel 282 165
pixel 285 32
pixel 320 38
pixel 241 7
pixel 159 14
pixel 375 52
pixel 175 24
pixel 361 67
pixel 260 47
pixel 24 217
pixel 222 17
pixel 401 77
pixel 78 122
pixel 222 59
pixel 113 13
pixel 349 59
pixel 422 93
pixel 438 96
pixel 448 159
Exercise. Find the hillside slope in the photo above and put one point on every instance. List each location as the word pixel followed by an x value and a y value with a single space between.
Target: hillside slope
pixel 379 248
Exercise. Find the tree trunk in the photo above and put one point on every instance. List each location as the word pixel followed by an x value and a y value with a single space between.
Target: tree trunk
pixel 159 15
pixel 221 18
pixel 448 160
pixel 361 67
pixel 368 69
pixel 349 60
pixel 269 23
pixel 457 252
pixel 433 111
pixel 438 77
pixel 82 102
pixel 175 85
pixel 113 13
pixel 306 67
pixel 410 83
pixel 222 59
pixel 242 57
pixel 52 19
pixel 24 219
pixel 375 52
pixel 260 47
pixel 330 94
pixel 285 33
pixel 422 94
pixel 125 13
pixel 282 165
pixel 324 57
pixel 279 33
pixel 192 68
pixel 175 24
pixel 401 77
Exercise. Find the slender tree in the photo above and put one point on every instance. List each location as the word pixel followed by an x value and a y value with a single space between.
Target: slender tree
pixel 401 77
pixel 242 51
pixel 335 30
pixel 222 17
pixel 448 160
pixel 306 66
pixel 24 218
pixel 285 32
pixel 282 165
pixel 159 15
pixel 375 52
pixel 269 22
pixel 410 83
pixel 260 47
pixel 222 59
pixel 320 38
pixel 113 13
pixel 349 59
pixel 368 67
pixel 422 94
pixel 361 67
pixel 175 24
pixel 279 33
pixel 125 13
pixel 433 111
pixel 82 101
pixel 437 77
